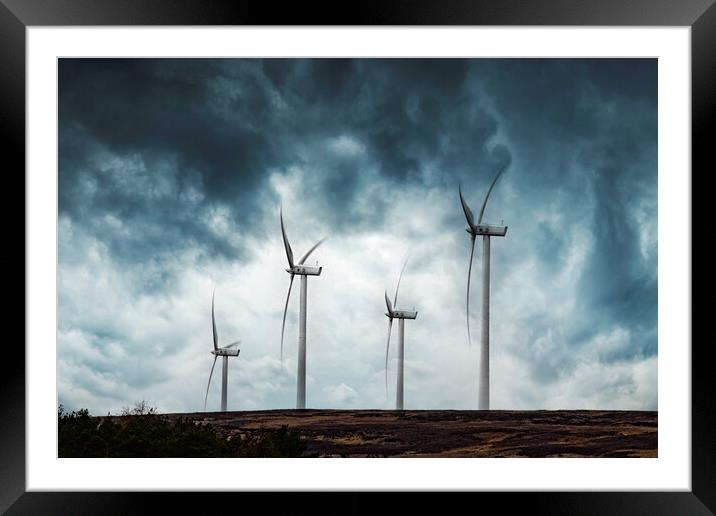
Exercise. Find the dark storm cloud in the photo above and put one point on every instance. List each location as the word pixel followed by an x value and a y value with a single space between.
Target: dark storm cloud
pixel 590 118
pixel 224 124
pixel 158 158
pixel 135 111
pixel 219 126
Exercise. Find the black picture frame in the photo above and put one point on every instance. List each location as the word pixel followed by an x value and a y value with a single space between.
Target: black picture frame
pixel 17 15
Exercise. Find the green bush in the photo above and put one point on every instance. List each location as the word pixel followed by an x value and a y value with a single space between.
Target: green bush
pixel 141 432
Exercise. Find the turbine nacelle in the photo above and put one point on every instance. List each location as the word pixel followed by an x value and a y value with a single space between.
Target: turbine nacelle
pixel 488 230
pixel 401 314
pixel 223 352
pixel 305 270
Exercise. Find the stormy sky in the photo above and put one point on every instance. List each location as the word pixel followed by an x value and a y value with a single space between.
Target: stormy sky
pixel 172 173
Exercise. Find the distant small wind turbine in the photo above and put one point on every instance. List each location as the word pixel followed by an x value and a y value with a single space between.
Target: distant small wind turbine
pixel 303 271
pixel 401 315
pixel 227 351
pixel 486 231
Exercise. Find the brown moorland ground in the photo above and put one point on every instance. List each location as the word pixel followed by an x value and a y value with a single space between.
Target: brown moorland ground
pixel 453 433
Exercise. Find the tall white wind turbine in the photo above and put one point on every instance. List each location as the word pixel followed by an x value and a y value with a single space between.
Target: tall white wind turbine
pixel 227 351
pixel 487 231
pixel 401 315
pixel 304 271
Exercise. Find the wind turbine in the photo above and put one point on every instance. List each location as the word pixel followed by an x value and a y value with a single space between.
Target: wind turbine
pixel 487 231
pixel 227 351
pixel 304 271
pixel 401 315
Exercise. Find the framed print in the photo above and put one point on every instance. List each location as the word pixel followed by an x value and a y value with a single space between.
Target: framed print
pixel 170 171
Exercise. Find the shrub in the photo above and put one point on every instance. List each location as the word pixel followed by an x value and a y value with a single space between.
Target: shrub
pixel 141 432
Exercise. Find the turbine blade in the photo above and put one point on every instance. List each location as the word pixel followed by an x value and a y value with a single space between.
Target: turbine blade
pixel 208 384
pixel 467 303
pixel 387 350
pixel 213 322
pixel 484 203
pixel 285 309
pixel 289 252
pixel 395 301
pixel 466 210
pixel 233 345
pixel 387 303
pixel 305 256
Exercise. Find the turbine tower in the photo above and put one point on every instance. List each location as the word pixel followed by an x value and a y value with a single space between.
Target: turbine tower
pixel 487 231
pixel 401 315
pixel 304 271
pixel 227 351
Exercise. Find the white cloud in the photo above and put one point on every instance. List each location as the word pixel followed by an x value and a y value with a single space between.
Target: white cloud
pixel 150 221
pixel 119 342
pixel 347 146
pixel 340 395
